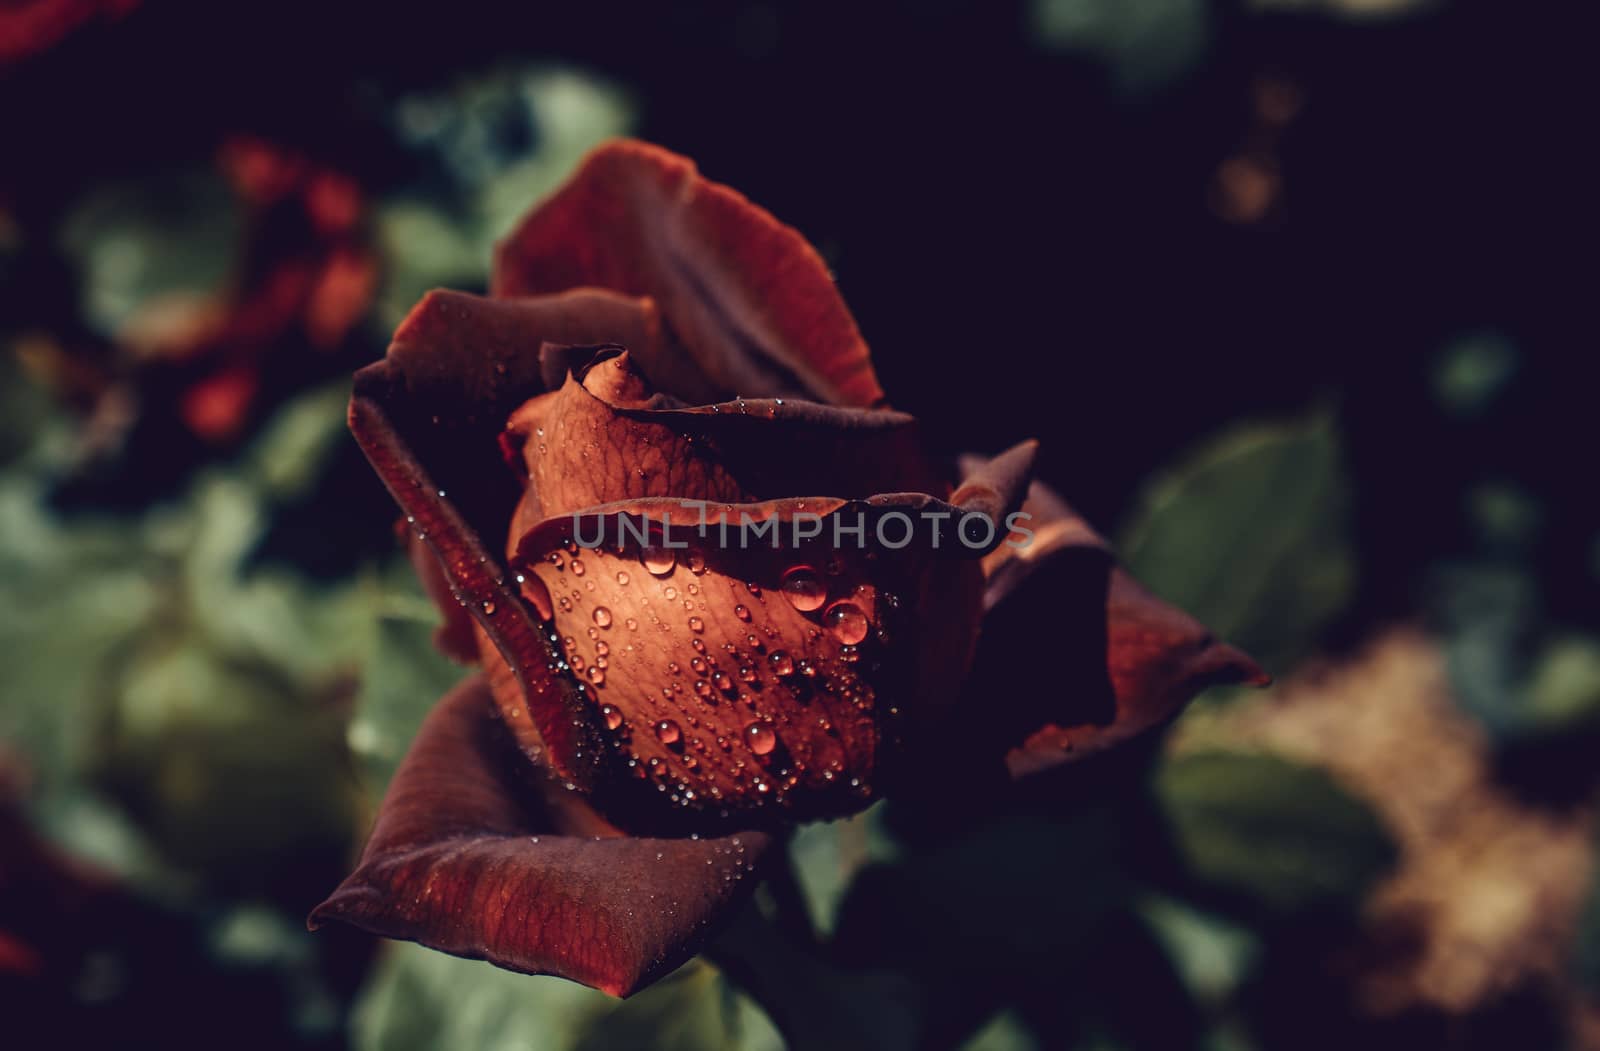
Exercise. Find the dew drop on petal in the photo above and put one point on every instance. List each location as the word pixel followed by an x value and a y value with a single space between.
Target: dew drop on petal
pixel 597 675
pixel 804 589
pixel 702 688
pixel 696 624
pixel 846 622
pixel 760 738
pixel 612 715
pixel 742 613
pixel 577 568
pixel 696 563
pixel 632 624
pixel 488 607
pixel 720 680
pixel 747 673
pixel 602 617
pixel 622 578
pixel 658 561
pixel 668 731
pixel 782 664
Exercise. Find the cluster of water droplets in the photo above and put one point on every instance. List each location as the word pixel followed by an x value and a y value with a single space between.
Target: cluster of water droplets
pixel 773 686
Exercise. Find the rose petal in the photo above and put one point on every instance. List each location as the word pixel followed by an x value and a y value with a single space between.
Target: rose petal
pixel 752 303
pixel 680 624
pixel 1082 654
pixel 470 859
pixel 429 417
pixel 605 436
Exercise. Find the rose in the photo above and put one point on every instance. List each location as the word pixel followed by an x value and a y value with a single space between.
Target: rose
pixel 650 716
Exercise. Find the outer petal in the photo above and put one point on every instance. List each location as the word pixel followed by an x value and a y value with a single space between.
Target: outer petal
pixel 429 417
pixel 751 302
pixel 1082 655
pixel 470 858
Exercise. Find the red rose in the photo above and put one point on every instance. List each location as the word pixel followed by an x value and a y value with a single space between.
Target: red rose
pixel 662 363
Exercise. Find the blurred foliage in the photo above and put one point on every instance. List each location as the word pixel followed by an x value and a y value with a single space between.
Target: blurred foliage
pixel 1271 835
pixel 1251 535
pixel 419 999
pixel 143 244
pixel 1144 44
pixel 489 145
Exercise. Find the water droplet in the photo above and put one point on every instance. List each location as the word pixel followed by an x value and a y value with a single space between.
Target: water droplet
pixel 699 665
pixel 702 687
pixel 577 568
pixel 488 607
pixel 747 673
pixel 847 623
pixel 555 559
pixel 696 563
pixel 742 613
pixel 565 604
pixel 668 731
pixel 696 624
pixel 720 680
pixel 805 667
pixel 658 561
pixel 669 593
pixel 622 578
pixel 804 589
pixel 612 716
pixel 597 675
pixel 699 647
pixel 632 624
pixel 849 654
pixel 782 665
pixel 602 616
pixel 601 649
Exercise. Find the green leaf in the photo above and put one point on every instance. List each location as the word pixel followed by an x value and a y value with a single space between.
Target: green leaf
pixel 1250 536
pixel 1271 836
pixel 171 238
pixel 421 1000
pixel 827 855
pixel 1565 687
pixel 1211 954
pixel 292 447
pixel 694 1009
pixel 1006 1031
pixel 231 768
pixel 402 676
